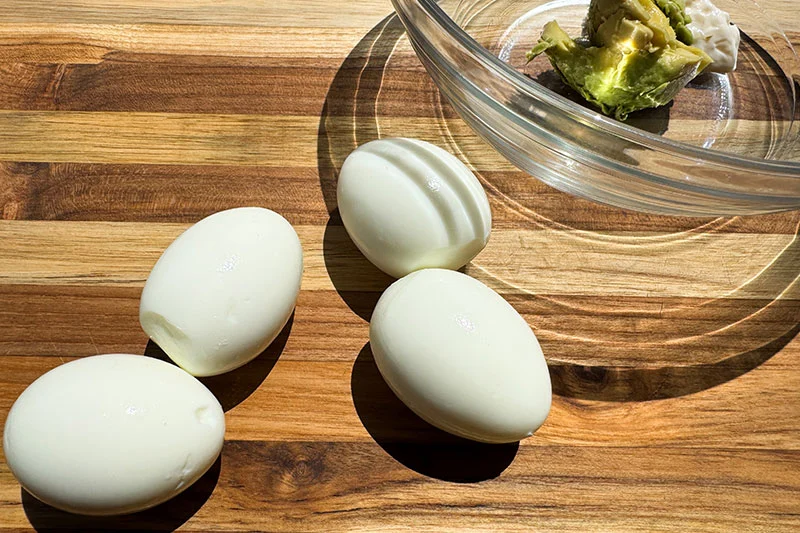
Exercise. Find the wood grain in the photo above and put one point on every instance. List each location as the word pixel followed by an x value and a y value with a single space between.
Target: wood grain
pixel 319 486
pixel 188 138
pixel 327 400
pixel 597 339
pixel 92 43
pixel 553 261
pixel 185 193
pixel 299 13
pixel 671 341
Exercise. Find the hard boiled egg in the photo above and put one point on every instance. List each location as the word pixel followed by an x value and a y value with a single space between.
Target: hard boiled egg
pixel 459 356
pixel 112 434
pixel 408 204
pixel 223 290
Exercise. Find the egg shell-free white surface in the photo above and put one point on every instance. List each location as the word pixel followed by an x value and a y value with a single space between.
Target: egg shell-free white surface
pixel 459 356
pixel 112 434
pixel 223 290
pixel 408 204
pixel 714 34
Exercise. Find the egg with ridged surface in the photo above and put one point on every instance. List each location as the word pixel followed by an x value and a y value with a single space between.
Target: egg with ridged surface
pixel 408 204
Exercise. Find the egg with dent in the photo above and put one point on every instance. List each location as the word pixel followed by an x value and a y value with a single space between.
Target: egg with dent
pixel 112 434
pixel 460 356
pixel 223 290
pixel 408 204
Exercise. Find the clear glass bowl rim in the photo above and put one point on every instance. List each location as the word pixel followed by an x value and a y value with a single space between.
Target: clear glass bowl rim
pixel 580 114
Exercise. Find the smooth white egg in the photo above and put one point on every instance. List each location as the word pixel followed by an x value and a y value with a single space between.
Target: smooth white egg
pixel 223 290
pixel 408 204
pixel 459 356
pixel 112 434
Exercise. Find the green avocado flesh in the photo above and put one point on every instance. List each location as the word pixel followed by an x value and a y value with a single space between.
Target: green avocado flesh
pixel 675 10
pixel 633 58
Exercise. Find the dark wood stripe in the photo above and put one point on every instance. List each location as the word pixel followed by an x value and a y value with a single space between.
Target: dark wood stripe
pixel 186 193
pixel 361 86
pixel 582 331
pixel 56 321
pixel 321 486
pixel 192 84
pixel 121 85
pixel 521 201
pixel 166 193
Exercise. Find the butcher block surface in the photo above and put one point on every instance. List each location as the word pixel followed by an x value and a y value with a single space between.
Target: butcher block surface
pixel 671 341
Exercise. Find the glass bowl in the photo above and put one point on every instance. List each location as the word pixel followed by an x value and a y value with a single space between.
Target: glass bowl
pixel 727 145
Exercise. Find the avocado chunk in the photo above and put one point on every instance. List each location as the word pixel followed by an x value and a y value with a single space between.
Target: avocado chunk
pixel 675 10
pixel 633 59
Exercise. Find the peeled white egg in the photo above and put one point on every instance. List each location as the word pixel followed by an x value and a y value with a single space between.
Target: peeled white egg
pixel 112 434
pixel 223 290
pixel 459 356
pixel 408 204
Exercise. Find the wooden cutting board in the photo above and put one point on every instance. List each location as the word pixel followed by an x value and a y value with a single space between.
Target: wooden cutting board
pixel 671 341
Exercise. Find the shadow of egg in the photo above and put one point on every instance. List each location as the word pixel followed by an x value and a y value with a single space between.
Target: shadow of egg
pixel 167 516
pixel 415 443
pixel 234 387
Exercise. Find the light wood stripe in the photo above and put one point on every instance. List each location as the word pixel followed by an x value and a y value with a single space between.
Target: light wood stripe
pixel 297 13
pixel 707 418
pixel 156 138
pixel 180 138
pixel 556 262
pixel 544 261
pixel 333 401
pixel 239 12
pixel 183 138
pixel 79 43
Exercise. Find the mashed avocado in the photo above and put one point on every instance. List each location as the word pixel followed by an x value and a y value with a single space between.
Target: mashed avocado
pixel 633 58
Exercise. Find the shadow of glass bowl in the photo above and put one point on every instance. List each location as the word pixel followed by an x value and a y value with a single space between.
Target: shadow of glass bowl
pixel 628 306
